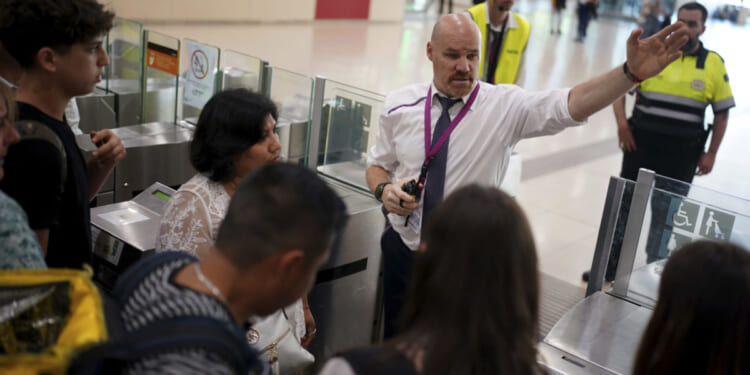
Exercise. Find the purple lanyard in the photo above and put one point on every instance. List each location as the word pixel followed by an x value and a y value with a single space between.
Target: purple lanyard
pixel 430 152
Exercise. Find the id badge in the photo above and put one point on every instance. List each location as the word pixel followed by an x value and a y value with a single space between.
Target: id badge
pixel 415 220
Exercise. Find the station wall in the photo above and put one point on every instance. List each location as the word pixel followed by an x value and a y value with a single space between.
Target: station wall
pixel 239 10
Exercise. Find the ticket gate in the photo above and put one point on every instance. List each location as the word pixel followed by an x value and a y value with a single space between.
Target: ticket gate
pixel 120 104
pixel 344 300
pixel 97 111
pixel 125 232
pixel 157 151
pixel 601 334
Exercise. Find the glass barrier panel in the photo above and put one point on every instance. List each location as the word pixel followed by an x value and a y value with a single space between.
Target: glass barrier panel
pixel 713 197
pixel 125 69
pixel 621 219
pixel 199 78
pixel 160 80
pixel 241 71
pixel 124 49
pixel 292 93
pixel 349 125
pixel 678 213
pixel 104 83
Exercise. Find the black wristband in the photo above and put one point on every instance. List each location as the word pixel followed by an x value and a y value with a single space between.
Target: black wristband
pixel 379 191
pixel 630 75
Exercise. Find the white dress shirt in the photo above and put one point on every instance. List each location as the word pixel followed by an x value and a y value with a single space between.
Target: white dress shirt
pixel 479 147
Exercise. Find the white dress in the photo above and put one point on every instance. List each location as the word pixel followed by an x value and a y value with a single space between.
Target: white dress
pixel 191 222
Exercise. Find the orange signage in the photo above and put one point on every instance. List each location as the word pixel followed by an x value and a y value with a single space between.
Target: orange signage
pixel 162 58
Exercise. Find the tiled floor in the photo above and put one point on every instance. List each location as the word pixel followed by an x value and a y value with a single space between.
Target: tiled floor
pixel 563 202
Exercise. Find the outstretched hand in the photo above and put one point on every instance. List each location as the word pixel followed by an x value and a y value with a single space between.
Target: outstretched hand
pixel 647 57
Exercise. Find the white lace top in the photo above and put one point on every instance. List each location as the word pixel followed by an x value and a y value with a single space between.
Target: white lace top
pixel 191 220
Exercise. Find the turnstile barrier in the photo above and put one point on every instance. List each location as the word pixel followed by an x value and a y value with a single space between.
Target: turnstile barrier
pixel 125 232
pixel 642 223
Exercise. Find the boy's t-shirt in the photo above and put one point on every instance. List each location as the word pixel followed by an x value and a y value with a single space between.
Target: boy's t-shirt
pixel 33 175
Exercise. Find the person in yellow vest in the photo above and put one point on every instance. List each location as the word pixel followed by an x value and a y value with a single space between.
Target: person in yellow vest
pixel 670 107
pixel 504 39
pixel 666 130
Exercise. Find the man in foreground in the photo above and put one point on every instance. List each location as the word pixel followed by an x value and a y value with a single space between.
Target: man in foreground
pixel 281 224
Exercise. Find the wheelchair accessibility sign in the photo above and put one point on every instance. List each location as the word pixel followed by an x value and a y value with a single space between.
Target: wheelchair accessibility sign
pixel 683 215
pixel 687 221
pixel 693 219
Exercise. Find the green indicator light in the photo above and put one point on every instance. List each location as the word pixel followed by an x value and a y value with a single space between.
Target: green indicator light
pixel 161 195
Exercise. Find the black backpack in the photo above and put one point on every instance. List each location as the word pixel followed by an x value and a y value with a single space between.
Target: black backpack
pixel 30 130
pixel 114 355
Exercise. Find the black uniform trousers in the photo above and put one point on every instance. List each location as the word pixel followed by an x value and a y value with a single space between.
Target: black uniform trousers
pixel 398 260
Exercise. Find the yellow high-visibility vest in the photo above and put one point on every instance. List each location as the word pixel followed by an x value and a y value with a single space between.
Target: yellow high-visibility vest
pixel 675 100
pixel 512 48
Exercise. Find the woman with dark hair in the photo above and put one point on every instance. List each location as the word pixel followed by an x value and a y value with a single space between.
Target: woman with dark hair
pixel 473 304
pixel 234 136
pixel 701 324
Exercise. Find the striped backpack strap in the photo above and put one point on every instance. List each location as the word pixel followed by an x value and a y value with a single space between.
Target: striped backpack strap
pixel 169 336
pixel 127 282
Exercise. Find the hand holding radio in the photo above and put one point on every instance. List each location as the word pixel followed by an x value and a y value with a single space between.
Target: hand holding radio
pixel 398 200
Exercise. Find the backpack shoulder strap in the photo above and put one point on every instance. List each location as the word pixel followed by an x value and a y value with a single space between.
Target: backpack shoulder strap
pixel 167 336
pixel 30 130
pixel 133 276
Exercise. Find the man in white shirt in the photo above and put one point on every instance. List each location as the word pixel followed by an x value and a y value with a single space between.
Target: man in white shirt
pixel 480 132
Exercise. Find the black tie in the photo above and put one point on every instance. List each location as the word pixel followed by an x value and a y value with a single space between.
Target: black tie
pixel 494 53
pixel 433 189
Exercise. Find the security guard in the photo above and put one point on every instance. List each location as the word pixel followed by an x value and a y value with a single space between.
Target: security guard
pixel 505 35
pixel 666 131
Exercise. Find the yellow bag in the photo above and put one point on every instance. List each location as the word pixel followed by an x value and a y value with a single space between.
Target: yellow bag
pixel 46 316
